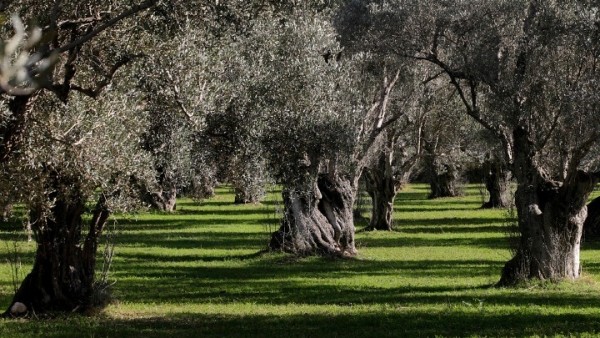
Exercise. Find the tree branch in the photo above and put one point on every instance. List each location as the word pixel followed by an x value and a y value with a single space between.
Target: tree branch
pixel 111 22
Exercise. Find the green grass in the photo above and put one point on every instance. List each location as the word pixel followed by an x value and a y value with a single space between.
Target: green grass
pixel 196 274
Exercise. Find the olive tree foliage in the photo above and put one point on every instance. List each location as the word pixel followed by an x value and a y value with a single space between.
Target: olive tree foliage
pixel 530 77
pixel 448 140
pixel 179 87
pixel 68 138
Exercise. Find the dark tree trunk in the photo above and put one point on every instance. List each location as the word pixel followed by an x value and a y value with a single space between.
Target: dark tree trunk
pixel 164 197
pixel 249 195
pixel 446 183
pixel 591 227
pixel 383 183
pixel 550 219
pixel 318 219
pixel 6 210
pixel 164 200
pixel 497 183
pixel 62 278
pixel 382 189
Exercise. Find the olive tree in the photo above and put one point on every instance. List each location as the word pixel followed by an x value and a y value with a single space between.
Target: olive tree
pixel 327 124
pixel 59 148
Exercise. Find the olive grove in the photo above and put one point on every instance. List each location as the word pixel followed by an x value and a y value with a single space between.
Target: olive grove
pixel 108 105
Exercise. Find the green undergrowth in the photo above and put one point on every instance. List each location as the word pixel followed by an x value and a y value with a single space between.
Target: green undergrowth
pixel 199 273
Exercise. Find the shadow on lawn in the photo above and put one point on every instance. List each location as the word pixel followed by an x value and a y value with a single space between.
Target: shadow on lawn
pixel 389 324
pixel 272 280
pixel 196 240
pixel 397 322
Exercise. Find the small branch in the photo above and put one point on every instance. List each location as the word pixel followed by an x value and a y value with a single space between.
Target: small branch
pixel 132 11
pixel 178 98
pixel 108 77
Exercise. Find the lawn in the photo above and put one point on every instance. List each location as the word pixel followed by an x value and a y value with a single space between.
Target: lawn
pixel 196 273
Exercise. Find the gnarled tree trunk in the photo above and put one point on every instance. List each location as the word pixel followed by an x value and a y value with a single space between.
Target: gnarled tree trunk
pixel 62 278
pixel 382 189
pixel 444 183
pixel 317 219
pixel 550 218
pixel 164 200
pixel 383 183
pixel 497 183
pixel 247 195
pixel 163 196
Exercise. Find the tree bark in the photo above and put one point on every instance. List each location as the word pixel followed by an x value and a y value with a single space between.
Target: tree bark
pixel 497 183
pixel 248 195
pixel 383 182
pixel 444 184
pixel 162 197
pixel 317 219
pixel 550 219
pixel 382 189
pixel 62 278
pixel 591 227
pixel 164 200
pixel 6 210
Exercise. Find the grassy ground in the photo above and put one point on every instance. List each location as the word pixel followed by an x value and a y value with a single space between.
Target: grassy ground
pixel 195 273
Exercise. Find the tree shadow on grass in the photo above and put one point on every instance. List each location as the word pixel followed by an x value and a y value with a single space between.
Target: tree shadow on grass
pixel 450 221
pixel 498 242
pixel 450 229
pixel 224 212
pixel 395 322
pixel 197 240
pixel 272 280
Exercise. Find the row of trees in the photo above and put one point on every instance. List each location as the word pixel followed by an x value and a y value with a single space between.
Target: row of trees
pixel 118 103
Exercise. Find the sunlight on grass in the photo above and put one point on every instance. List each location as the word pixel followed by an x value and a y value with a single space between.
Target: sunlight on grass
pixel 196 273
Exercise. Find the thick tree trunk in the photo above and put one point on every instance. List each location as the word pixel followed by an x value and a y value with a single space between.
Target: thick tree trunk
pixel 497 183
pixel 164 200
pixel 446 183
pixel 550 219
pixel 62 278
pixel 248 195
pixel 164 196
pixel 382 184
pixel 591 227
pixel 382 190
pixel 317 220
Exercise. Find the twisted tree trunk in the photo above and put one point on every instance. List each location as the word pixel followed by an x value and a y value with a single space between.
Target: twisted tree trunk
pixel 383 182
pixel 444 183
pixel 318 219
pixel 62 278
pixel 162 197
pixel 382 189
pixel 249 194
pixel 497 183
pixel 550 218
pixel 164 200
